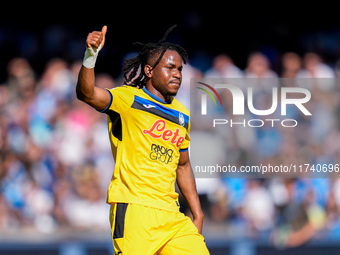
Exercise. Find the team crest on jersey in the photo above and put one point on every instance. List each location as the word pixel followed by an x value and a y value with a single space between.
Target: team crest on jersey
pixel 181 119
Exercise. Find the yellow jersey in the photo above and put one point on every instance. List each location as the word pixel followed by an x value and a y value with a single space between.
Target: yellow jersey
pixel 147 135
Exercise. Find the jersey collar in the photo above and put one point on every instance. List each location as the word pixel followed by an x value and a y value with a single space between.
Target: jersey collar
pixel 157 98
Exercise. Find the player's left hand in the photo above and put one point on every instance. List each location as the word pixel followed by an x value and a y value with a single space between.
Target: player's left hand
pixel 198 222
pixel 96 38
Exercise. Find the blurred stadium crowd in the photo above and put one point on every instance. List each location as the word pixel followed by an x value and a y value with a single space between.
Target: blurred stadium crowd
pixel 288 210
pixel 56 162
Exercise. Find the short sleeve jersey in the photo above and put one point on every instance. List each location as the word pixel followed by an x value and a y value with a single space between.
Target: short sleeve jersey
pixel 147 135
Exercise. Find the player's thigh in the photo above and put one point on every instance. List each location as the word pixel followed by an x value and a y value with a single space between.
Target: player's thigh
pixel 186 241
pixel 185 245
pixel 134 229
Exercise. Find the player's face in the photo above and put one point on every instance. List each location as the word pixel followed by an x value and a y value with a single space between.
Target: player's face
pixel 167 75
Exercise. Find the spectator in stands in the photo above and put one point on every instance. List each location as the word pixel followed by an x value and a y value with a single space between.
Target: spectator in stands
pixel 291 65
pixel 223 67
pixel 259 67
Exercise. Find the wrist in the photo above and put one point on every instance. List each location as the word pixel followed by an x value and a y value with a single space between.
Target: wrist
pixel 90 57
pixel 198 216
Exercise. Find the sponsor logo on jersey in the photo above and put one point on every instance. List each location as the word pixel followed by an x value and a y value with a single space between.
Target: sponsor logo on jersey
pixel 149 106
pixel 159 131
pixel 161 153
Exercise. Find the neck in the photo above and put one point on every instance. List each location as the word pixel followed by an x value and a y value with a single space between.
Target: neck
pixel 156 93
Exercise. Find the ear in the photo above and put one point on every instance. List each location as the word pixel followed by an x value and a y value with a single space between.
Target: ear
pixel 148 70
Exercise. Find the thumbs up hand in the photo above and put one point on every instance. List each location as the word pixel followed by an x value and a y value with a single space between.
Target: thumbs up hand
pixel 95 42
pixel 96 38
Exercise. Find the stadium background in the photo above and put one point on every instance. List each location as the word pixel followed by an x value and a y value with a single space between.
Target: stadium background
pixel 55 160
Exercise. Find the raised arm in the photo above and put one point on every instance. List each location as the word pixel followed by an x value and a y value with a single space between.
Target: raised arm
pixel 86 91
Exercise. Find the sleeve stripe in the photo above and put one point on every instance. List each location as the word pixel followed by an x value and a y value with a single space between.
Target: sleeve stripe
pixel 183 150
pixel 108 106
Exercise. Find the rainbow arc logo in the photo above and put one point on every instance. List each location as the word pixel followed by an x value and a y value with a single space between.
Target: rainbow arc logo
pixel 208 92
pixel 204 99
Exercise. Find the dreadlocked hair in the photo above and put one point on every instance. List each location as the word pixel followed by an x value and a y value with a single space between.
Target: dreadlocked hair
pixel 133 68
